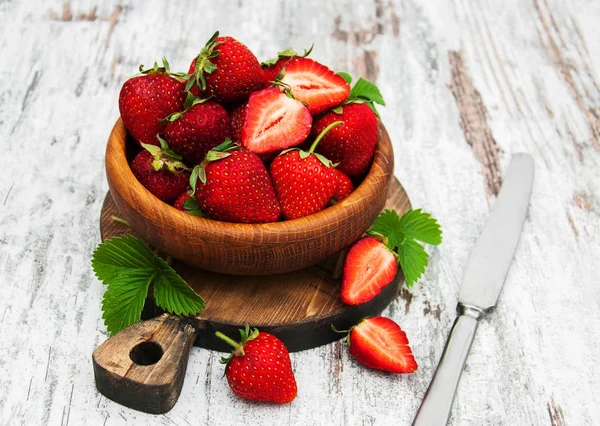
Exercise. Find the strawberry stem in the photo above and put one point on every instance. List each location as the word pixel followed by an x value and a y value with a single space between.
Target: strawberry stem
pixel 238 347
pixel 323 133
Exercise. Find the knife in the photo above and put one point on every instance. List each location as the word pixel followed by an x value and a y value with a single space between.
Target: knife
pixel 484 277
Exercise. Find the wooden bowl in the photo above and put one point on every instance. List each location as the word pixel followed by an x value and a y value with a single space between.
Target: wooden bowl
pixel 247 249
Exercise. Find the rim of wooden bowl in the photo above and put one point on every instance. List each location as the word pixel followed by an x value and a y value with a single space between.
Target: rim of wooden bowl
pixel 158 212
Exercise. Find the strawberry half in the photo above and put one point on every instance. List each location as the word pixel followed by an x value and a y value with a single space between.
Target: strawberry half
pixel 315 84
pixel 161 172
pixel 193 132
pixel 369 266
pixel 381 344
pixel 233 185
pixel 260 368
pixel 146 99
pixel 273 67
pixel 274 121
pixel 304 181
pixel 225 70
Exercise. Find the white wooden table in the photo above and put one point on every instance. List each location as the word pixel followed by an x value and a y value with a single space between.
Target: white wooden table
pixel 467 83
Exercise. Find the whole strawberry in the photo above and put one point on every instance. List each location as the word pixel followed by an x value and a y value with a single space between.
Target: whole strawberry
pixel 161 172
pixel 200 127
pixel 237 114
pixel 259 368
pixel 345 187
pixel 233 185
pixel 304 181
pixel 225 70
pixel 146 99
pixel 380 343
pixel 351 145
pixel 188 203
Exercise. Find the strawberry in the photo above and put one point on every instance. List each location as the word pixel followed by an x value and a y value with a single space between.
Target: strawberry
pixel 193 132
pixel 146 99
pixel 225 70
pixel 380 343
pixel 304 181
pixel 161 171
pixel 260 368
pixel 233 185
pixel 345 187
pixel 273 67
pixel 369 266
pixel 351 145
pixel 274 121
pixel 237 114
pixel 188 203
pixel 315 84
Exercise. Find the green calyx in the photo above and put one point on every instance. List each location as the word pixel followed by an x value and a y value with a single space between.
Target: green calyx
pixel 204 64
pixel 246 335
pixel 287 53
pixel 217 153
pixel 155 69
pixel 304 154
pixel 363 92
pixel 190 101
pixel 163 158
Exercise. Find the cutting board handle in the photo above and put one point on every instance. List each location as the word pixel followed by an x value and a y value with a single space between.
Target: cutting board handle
pixel 143 366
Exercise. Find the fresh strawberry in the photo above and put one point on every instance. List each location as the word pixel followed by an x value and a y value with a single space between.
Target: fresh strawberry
pixel 237 114
pixel 369 266
pixel 273 67
pixel 226 70
pixel 380 343
pixel 353 144
pixel 315 84
pixel 233 185
pixel 161 172
pixel 260 368
pixel 193 132
pixel 304 181
pixel 146 99
pixel 274 121
pixel 345 187
pixel 188 203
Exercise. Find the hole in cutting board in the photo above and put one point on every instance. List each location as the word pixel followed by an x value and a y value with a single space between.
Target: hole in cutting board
pixel 146 353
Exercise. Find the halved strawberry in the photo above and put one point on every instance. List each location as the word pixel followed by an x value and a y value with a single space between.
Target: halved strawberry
pixel 380 343
pixel 315 84
pixel 368 267
pixel 274 121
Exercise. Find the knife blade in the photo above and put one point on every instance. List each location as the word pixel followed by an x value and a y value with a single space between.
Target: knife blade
pixel 483 280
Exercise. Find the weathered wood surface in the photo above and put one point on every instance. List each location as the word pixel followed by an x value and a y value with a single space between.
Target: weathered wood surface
pixel 467 83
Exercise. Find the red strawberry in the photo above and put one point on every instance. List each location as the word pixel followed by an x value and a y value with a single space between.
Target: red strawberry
pixel 234 186
pixel 304 181
pixel 147 99
pixel 202 126
pixel 345 186
pixel 273 67
pixel 353 144
pixel 237 114
pixel 226 70
pixel 160 172
pixel 369 266
pixel 315 84
pixel 188 203
pixel 380 343
pixel 260 368
pixel 274 121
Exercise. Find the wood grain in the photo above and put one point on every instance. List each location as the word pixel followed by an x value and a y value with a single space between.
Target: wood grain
pixel 538 350
pixel 247 249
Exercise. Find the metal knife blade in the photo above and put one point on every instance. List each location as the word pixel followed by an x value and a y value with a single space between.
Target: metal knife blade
pixel 493 253
pixel 483 280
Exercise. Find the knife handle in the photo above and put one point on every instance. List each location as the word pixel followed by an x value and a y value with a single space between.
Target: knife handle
pixel 436 405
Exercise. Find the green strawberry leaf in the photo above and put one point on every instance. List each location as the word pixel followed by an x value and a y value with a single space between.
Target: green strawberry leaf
pixel 366 90
pixel 192 207
pixel 413 260
pixel 347 77
pixel 421 226
pixel 128 267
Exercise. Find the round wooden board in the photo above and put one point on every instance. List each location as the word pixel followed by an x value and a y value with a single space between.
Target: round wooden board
pixel 298 307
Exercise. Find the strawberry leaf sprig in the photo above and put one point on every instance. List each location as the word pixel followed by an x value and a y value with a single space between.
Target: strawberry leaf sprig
pixel 127 266
pixel 363 92
pixel 402 235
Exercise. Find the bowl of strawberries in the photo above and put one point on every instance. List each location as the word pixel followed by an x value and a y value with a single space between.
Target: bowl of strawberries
pixel 245 168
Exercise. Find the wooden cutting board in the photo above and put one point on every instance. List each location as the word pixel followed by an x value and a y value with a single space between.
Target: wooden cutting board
pixel 143 366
